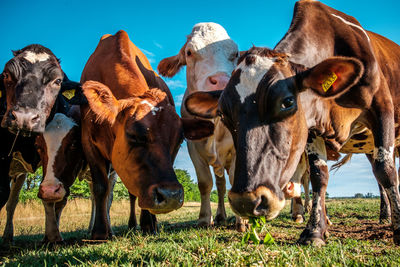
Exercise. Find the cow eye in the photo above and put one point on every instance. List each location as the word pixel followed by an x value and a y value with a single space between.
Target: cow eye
pixel 287 103
pixel 58 82
pixel 137 140
pixel 189 53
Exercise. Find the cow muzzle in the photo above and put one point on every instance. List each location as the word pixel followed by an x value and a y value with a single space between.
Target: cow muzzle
pixel 164 198
pixel 23 120
pixel 217 82
pixel 52 192
pixel 261 202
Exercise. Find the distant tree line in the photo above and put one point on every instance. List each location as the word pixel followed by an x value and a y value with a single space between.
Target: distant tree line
pixel 80 188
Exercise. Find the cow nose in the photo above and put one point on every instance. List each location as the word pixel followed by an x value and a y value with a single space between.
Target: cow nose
pixel 25 120
pixel 217 81
pixel 167 199
pixel 51 192
pixel 261 202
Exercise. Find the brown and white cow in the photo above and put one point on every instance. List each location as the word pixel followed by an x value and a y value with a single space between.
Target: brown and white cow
pixel 337 77
pixel 131 122
pixel 210 56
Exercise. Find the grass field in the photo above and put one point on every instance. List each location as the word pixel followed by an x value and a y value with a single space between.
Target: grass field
pixel 356 238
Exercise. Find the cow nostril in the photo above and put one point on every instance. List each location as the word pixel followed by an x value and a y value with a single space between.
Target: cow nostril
pixel 262 204
pixel 12 115
pixel 159 196
pixel 35 119
pixel 213 81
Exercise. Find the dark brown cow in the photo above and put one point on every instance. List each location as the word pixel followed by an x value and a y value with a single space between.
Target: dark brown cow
pixel 131 122
pixel 272 102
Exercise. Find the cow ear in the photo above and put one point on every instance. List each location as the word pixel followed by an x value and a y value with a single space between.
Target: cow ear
pixel 101 101
pixel 72 92
pixel 170 66
pixel 203 104
pixel 333 76
pixel 196 129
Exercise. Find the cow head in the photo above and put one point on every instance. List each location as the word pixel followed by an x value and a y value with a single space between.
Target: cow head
pixel 32 81
pixel 61 154
pixel 147 134
pixel 209 54
pixel 269 105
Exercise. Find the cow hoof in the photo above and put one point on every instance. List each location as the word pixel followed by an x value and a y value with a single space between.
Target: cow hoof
pixel 204 224
pixel 100 236
pixel 314 241
pixel 241 227
pixel 149 230
pixel 298 218
pixel 7 239
pixel 220 220
pixel 56 240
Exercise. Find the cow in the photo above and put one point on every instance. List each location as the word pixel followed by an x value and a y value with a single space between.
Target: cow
pixel 210 56
pixel 32 77
pixel 130 122
pixel 328 76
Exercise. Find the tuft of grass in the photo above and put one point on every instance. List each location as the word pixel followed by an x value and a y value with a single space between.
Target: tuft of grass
pixel 355 239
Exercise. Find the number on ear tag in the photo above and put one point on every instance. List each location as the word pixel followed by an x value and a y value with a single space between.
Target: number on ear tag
pixel 329 81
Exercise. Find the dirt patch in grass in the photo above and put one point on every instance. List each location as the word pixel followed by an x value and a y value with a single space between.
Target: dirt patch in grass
pixel 362 230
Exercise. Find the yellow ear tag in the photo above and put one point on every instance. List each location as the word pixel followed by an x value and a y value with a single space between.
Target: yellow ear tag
pixel 1 94
pixel 69 94
pixel 328 82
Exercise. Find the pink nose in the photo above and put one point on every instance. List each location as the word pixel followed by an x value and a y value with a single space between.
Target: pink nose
pixel 217 81
pixel 51 193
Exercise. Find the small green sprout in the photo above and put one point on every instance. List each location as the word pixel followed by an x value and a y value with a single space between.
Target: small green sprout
pixel 257 225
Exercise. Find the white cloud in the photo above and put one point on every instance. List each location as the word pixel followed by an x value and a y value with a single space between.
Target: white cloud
pixel 147 52
pixel 158 45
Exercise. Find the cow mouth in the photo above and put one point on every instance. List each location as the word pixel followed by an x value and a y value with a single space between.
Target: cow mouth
pixel 23 132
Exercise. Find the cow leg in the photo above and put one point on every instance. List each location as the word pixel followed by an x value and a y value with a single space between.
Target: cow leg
pixel 101 227
pixel 306 185
pixel 111 183
pixel 297 208
pixel 52 233
pixel 16 185
pixel 317 225
pixel 148 222
pixel 220 217
pixel 384 215
pixel 93 205
pixel 132 224
pixel 205 183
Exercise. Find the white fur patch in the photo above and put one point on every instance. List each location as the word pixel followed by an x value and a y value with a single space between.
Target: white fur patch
pixel 33 57
pixel 251 75
pixel 383 155
pixel 214 49
pixel 54 134
pixel 320 163
pixel 153 109
pixel 352 24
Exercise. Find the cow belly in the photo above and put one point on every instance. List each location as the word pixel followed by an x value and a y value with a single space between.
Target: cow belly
pixel 362 142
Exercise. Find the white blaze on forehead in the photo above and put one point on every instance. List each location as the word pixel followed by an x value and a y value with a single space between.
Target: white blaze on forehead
pixel 252 74
pixel 153 109
pixel 206 33
pixel 54 134
pixel 352 24
pixel 33 57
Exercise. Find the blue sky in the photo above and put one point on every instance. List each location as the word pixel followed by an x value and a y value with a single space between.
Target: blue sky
pixel 72 29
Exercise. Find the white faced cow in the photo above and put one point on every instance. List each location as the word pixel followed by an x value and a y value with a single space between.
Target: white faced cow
pixel 210 56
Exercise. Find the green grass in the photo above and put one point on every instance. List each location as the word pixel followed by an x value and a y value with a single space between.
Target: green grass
pixel 355 239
